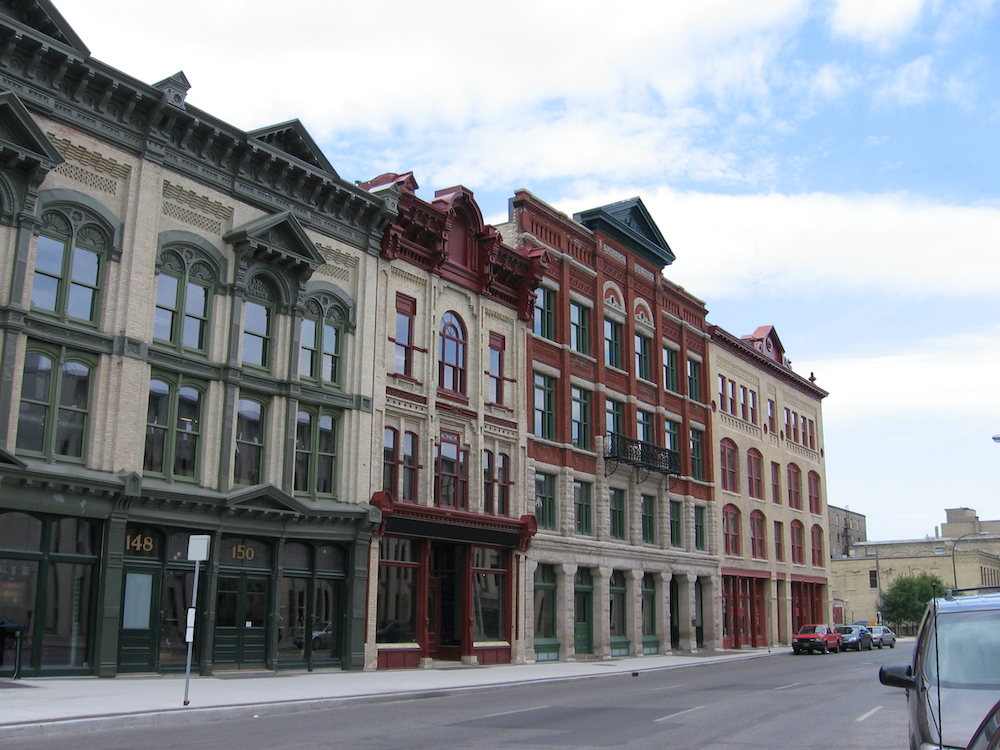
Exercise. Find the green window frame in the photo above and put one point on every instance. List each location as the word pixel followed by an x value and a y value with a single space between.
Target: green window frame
pixel 545 500
pixel 613 416
pixel 582 492
pixel 676 523
pixel 545 313
pixel 316 442
pixel 579 328
pixel 320 344
pixel 648 513
pixel 70 259
pixel 643 357
pixel 546 623
pixel 673 435
pixel 612 343
pixel 258 325
pixel 697 458
pixel 184 295
pixel 694 379
pixel 54 416
pixel 544 406
pixel 650 643
pixel 248 460
pixel 699 528
pixel 617 592
pixel 617 507
pixel 644 426
pixel 173 427
pixel 580 416
pixel 669 369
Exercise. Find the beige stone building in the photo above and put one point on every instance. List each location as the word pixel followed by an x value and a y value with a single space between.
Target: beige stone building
pixel 847 528
pixel 770 485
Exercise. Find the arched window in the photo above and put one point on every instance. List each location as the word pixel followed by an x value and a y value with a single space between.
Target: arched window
pixel 55 403
pixel 794 487
pixel 755 474
pixel 815 504
pixel 258 323
pixel 798 542
pixel 817 545
pixel 321 339
pixel 173 426
pixel 451 358
pixel 731 530
pixel 758 547
pixel 72 250
pixel 727 461
pixel 185 283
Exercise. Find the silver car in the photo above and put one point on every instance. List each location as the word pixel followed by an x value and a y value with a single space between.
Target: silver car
pixel 961 633
pixel 882 636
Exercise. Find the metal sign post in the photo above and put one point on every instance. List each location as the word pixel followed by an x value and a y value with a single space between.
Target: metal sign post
pixel 198 551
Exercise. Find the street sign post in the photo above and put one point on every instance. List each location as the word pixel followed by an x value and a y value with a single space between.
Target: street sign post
pixel 198 545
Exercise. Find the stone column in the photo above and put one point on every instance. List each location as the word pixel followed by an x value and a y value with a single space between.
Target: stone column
pixel 565 615
pixel 602 609
pixel 633 610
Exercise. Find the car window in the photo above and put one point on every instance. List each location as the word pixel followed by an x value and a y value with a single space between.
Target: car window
pixel 968 648
pixel 810 629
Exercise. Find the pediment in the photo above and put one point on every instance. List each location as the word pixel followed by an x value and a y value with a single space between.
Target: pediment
pixel 265 497
pixel 293 139
pixel 21 139
pixel 277 239
pixel 176 88
pixel 630 223
pixel 42 16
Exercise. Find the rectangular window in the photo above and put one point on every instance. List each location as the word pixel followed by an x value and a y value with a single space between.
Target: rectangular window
pixel 612 343
pixel 779 541
pixel 873 579
pixel 699 528
pixel 256 334
pixel 545 313
pixel 644 426
pixel 731 398
pixel 489 594
pixel 248 461
pixel 697 462
pixel 669 369
pixel 814 500
pixel 776 482
pixel 315 453
pixel 758 547
pixel 390 460
pixel 580 415
pixel 798 544
pixel 648 510
pixel 676 524
pixel 579 328
pixel 497 346
pixel 812 435
pixel 410 467
pixel 771 426
pixel 755 474
pixel 795 427
pixel 406 311
pixel 613 416
pixel 744 404
pixel 673 435
pixel 545 500
pixel 694 379
pixel 722 393
pixel 753 407
pixel 173 428
pixel 545 407
pixel 504 482
pixel 788 424
pixel 617 498
pixel 581 501
pixel 545 604
pixel 397 591
pixel 451 472
pixel 489 481
pixel 643 357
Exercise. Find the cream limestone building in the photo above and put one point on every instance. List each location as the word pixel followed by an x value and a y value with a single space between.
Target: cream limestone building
pixel 770 490
pixel 185 312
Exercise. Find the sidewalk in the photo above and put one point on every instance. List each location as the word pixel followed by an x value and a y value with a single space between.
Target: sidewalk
pixel 52 705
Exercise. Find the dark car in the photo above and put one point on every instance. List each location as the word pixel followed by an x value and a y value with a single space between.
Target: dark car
pixel 821 638
pixel 855 637
pixel 961 633
pixel 883 636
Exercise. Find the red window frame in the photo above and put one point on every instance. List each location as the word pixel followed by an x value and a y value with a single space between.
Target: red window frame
pixel 798 543
pixel 779 541
pixel 406 312
pixel 731 529
pixel 814 497
pixel 727 462
pixel 817 546
pixel 495 372
pixel 451 354
pixel 794 487
pixel 755 474
pixel 758 546
pixel 776 482
pixel 451 472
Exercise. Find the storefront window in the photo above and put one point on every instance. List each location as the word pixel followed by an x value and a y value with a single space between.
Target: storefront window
pixel 397 595
pixel 489 595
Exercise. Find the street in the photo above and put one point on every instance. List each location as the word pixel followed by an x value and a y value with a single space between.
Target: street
pixel 831 702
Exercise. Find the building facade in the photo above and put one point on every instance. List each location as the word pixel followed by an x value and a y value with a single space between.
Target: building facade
pixel 619 464
pixel 184 310
pixel 448 560
pixel 771 491
pixel 847 528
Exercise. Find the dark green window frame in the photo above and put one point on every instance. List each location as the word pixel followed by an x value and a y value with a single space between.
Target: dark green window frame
pixel 545 313
pixel 317 437
pixel 643 357
pixel 69 268
pixel 694 379
pixel 699 528
pixel 697 457
pixel 183 306
pixel 544 406
pixel 612 343
pixel 56 395
pixel 580 412
pixel 582 492
pixel 676 523
pixel 613 416
pixel 669 369
pixel 579 328
pixel 644 426
pixel 173 426
pixel 320 343
pixel 648 512
pixel 617 507
pixel 251 431
pixel 545 500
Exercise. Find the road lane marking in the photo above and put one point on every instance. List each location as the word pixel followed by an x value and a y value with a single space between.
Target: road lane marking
pixel 667 687
pixel 865 716
pixel 785 687
pixel 679 713
pixel 518 711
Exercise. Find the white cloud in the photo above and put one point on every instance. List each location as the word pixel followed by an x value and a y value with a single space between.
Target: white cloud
pixel 909 84
pixel 880 23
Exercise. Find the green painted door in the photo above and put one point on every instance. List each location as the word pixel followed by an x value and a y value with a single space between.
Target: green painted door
pixel 241 622
pixel 138 638
pixel 583 612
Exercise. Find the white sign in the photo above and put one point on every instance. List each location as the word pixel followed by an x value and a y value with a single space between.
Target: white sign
pixel 198 547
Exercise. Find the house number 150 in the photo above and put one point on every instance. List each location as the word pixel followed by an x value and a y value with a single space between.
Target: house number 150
pixel 243 552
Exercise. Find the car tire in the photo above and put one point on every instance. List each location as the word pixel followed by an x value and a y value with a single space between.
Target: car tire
pixel 317 643
pixel 892 645
pixel 825 650
pixel 880 645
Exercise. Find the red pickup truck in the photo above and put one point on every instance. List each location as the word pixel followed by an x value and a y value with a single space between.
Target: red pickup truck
pixel 820 638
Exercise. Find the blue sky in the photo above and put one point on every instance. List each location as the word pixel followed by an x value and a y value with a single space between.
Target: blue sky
pixel 829 168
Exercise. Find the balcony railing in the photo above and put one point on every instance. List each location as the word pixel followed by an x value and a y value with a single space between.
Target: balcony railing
pixel 619 449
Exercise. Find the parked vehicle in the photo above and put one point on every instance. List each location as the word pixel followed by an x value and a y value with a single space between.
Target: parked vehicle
pixel 955 667
pixel 883 636
pixel 322 637
pixel 855 637
pixel 821 638
pixel 987 737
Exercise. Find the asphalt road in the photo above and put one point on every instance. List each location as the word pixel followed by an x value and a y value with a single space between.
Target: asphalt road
pixel 830 702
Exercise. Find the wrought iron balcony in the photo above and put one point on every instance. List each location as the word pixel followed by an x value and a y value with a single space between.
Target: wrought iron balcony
pixel 619 449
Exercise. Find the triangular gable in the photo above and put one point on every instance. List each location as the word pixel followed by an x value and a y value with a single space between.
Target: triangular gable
pixel 765 340
pixel 265 497
pixel 629 223
pixel 20 136
pixel 176 88
pixel 42 16
pixel 293 139
pixel 278 238
pixel 11 459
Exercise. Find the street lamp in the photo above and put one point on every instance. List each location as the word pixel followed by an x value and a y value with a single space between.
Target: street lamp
pixel 954 570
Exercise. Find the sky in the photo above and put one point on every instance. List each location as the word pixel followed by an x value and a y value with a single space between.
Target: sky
pixel 831 168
